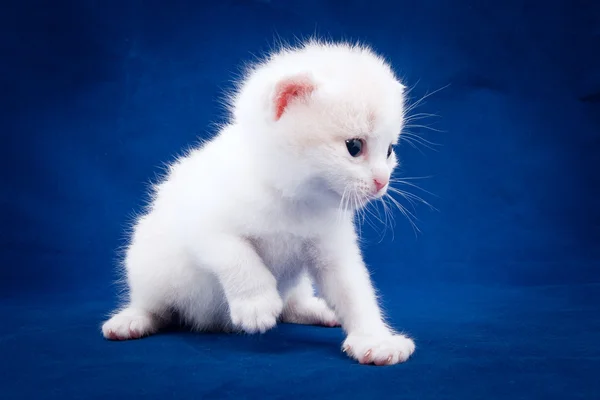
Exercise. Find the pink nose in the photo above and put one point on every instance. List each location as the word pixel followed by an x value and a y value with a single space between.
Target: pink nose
pixel 380 183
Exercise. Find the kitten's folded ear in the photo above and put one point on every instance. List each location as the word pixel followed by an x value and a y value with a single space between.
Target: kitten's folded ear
pixel 291 89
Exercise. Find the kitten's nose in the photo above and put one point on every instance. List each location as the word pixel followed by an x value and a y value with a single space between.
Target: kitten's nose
pixel 380 183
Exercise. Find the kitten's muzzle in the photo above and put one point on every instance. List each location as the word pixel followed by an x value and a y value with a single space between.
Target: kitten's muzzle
pixel 380 184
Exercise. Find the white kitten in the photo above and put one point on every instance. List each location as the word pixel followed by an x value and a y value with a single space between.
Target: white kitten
pixel 240 227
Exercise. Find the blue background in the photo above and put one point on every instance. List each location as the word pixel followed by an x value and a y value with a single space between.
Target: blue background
pixel 501 290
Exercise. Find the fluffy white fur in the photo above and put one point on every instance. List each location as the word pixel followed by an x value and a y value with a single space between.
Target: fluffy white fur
pixel 242 226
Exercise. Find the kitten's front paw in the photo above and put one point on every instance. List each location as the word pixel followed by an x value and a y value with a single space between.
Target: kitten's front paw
pixel 256 314
pixel 379 350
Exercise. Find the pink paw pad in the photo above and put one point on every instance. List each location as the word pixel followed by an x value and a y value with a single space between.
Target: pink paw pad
pixel 133 334
pixel 384 362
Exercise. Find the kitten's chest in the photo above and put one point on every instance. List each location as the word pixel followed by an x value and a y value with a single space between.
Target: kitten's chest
pixel 283 233
pixel 281 251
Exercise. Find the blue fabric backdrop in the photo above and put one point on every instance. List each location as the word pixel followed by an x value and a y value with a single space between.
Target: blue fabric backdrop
pixel 501 289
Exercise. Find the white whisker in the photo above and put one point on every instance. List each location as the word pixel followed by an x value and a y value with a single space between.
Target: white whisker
pixel 419 116
pixel 423 127
pixel 406 213
pixel 371 224
pixel 406 138
pixel 422 99
pixel 405 182
pixel 342 208
pixel 411 137
pixel 409 178
pixel 412 198
pixel 412 141
pixel 388 215
pixel 414 135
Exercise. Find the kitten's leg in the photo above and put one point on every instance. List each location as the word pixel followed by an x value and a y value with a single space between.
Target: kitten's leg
pixel 249 287
pixel 345 283
pixel 303 307
pixel 149 282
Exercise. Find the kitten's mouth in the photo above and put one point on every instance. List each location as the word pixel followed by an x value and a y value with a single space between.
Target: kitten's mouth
pixel 378 195
pixel 358 198
pixel 374 195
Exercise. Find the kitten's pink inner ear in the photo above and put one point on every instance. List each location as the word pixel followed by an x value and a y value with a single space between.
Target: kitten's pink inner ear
pixel 290 90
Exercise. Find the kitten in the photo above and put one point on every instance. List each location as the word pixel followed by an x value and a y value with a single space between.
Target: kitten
pixel 242 226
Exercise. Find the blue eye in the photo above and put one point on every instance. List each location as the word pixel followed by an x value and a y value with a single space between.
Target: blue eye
pixel 390 149
pixel 355 147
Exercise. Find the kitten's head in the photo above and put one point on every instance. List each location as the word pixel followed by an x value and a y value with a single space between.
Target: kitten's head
pixel 333 112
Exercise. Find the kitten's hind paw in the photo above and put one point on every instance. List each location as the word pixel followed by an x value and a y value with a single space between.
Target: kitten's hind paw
pixel 130 324
pixel 311 311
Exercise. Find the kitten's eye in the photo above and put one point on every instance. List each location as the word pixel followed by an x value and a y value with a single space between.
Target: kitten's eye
pixel 390 149
pixel 355 147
